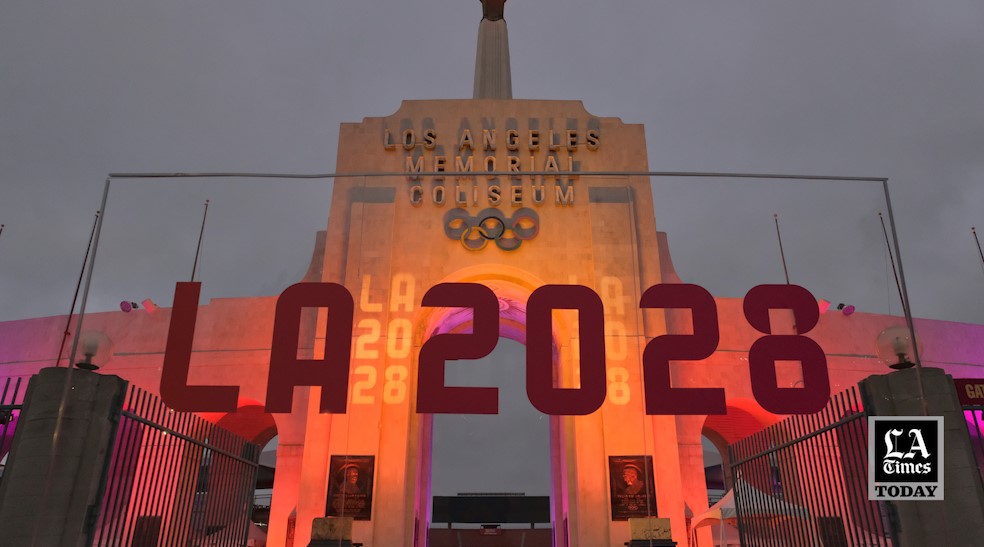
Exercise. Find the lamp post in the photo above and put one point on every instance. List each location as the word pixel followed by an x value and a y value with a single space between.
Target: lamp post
pixel 894 345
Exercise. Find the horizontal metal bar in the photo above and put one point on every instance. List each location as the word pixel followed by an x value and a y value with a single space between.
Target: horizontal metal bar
pixel 810 435
pixel 24 361
pixel 694 174
pixel 232 350
pixel 182 436
pixel 248 350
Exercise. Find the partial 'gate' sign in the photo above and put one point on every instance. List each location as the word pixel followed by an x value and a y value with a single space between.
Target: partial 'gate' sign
pixel 970 392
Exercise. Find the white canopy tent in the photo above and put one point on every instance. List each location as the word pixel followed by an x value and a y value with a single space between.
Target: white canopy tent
pixel 756 504
pixel 723 512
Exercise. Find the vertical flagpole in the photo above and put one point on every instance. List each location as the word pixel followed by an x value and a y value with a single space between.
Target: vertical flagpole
pixel 905 300
pixel 78 286
pixel 88 280
pixel 198 250
pixel 63 404
pixel 972 229
pixel 891 258
pixel 782 254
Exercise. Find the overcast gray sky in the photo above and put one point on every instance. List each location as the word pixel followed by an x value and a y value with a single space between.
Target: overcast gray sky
pixel 881 88
pixel 877 88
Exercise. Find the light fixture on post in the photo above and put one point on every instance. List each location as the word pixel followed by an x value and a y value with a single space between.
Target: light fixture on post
pixel 95 348
pixel 894 347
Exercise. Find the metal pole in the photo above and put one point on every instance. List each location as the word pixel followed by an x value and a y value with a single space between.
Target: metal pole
pixel 198 250
pixel 891 258
pixel 63 404
pixel 973 230
pixel 88 279
pixel 405 174
pixel 782 254
pixel 905 300
pixel 78 286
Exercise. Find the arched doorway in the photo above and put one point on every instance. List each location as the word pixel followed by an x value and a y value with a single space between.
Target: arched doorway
pixel 512 288
pixel 743 418
pixel 263 494
pixel 715 455
pixel 253 423
pixel 492 461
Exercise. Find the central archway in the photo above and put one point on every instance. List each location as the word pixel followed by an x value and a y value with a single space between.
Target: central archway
pixel 512 288
pixel 492 462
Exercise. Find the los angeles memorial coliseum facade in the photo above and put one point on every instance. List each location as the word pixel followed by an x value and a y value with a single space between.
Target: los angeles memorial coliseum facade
pixel 544 217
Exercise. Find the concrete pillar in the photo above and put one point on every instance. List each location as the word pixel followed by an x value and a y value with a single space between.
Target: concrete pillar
pixel 86 436
pixel 690 452
pixel 959 518
pixel 669 480
pixel 313 491
pixel 286 487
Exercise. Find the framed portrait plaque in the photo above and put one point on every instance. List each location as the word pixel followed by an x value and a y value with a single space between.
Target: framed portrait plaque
pixel 350 486
pixel 632 485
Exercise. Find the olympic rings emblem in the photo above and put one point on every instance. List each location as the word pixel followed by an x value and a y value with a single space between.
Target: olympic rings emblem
pixel 491 224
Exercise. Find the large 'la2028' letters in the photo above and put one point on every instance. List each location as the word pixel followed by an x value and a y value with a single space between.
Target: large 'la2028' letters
pixel 331 372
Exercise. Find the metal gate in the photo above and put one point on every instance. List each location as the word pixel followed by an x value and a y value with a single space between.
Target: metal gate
pixel 11 401
pixel 173 479
pixel 974 415
pixel 803 482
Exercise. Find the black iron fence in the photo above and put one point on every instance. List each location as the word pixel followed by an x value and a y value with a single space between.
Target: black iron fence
pixel 803 481
pixel 173 478
pixel 11 400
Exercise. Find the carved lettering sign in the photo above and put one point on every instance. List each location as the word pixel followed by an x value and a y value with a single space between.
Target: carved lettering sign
pixel 533 150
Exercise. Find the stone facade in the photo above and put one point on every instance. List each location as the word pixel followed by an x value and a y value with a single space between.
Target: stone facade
pixel 389 240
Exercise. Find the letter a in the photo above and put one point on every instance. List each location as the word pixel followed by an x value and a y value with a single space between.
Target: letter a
pixel 331 373
pixel 917 444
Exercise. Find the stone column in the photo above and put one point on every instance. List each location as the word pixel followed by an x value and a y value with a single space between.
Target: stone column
pixel 959 518
pixel 86 436
pixel 313 488
pixel 690 452
pixel 285 491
